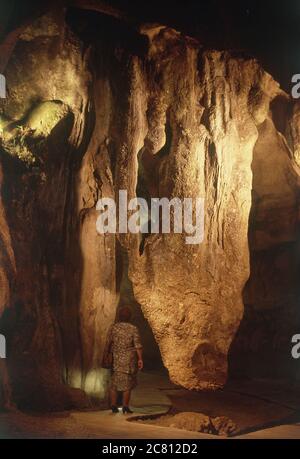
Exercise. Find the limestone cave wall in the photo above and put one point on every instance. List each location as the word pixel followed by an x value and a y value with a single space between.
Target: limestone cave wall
pixel 93 104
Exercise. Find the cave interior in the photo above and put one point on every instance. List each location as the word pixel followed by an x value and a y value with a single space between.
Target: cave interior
pixel 105 96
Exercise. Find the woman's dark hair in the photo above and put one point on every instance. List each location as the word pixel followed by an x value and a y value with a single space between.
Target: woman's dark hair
pixel 124 314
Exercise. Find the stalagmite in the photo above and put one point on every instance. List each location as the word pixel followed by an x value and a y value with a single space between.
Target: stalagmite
pixel 147 111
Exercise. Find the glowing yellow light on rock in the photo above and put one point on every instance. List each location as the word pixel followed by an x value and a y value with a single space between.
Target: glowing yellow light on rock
pixel 95 382
pixel 43 118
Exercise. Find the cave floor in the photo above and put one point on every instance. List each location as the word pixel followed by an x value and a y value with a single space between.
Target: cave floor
pixel 261 409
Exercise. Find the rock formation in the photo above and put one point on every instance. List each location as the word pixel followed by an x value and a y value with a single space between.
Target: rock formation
pixel 93 107
pixel 196 422
pixel 271 295
pixel 213 103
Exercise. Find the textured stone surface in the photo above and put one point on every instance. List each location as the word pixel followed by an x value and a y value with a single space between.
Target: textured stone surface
pixel 38 195
pixel 91 111
pixel 224 425
pixel 271 296
pixel 192 295
pixel 7 276
pixel 198 422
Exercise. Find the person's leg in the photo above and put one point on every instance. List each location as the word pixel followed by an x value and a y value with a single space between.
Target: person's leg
pixel 114 392
pixel 113 398
pixel 126 397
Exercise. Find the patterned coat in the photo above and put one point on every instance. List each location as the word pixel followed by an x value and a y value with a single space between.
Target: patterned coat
pixel 123 339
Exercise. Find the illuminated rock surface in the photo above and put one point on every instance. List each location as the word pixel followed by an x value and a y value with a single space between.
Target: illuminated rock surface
pixel 198 422
pixel 90 112
pixel 192 294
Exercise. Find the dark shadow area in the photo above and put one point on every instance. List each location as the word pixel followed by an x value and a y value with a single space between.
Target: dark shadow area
pixel 151 352
pixel 262 345
pixel 93 27
pixel 148 183
pixel 269 30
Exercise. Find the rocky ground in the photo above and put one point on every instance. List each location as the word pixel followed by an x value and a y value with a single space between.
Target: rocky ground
pixel 253 414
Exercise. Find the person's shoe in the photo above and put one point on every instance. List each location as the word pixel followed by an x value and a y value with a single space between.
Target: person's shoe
pixel 114 409
pixel 126 410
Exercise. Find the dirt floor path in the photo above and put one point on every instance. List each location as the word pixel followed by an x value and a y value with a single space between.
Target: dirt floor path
pixel 261 410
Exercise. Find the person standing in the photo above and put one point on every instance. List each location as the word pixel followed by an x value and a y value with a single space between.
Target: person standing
pixel 124 346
